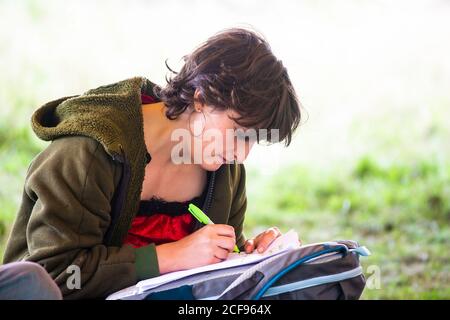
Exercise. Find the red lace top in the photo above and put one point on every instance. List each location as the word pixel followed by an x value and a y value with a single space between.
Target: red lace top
pixel 158 221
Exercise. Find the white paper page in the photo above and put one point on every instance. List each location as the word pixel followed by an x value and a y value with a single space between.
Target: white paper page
pixel 287 241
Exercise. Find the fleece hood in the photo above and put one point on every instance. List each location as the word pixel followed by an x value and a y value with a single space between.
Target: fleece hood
pixel 110 114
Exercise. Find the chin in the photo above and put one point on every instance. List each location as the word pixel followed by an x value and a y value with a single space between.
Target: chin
pixel 211 167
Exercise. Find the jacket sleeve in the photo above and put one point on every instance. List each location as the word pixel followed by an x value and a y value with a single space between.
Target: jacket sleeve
pixel 72 184
pixel 239 206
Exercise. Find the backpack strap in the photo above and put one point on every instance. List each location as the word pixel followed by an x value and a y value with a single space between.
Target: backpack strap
pixel 339 248
pixel 362 251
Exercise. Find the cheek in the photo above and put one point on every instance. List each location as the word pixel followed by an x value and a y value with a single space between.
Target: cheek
pixel 216 144
pixel 220 127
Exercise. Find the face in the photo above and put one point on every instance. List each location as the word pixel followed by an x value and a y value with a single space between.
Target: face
pixel 217 138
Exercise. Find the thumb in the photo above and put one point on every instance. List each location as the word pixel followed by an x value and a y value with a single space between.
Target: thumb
pixel 249 246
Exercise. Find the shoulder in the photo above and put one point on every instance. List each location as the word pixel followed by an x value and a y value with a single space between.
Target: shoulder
pixel 67 149
pixel 232 175
pixel 72 166
pixel 75 157
pixel 237 172
pixel 75 144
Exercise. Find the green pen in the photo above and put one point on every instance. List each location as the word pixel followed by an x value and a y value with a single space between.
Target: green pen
pixel 203 218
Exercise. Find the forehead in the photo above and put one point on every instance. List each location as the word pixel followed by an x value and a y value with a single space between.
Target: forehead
pixel 224 115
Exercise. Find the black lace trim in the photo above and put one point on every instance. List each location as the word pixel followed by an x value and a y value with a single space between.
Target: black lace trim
pixel 171 208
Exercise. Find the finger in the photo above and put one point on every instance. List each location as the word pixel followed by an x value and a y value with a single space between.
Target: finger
pixel 215 260
pixel 224 230
pixel 269 236
pixel 221 253
pixel 265 241
pixel 261 244
pixel 275 231
pixel 249 246
pixel 226 243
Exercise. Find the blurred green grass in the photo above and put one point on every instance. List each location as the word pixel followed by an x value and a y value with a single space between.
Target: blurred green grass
pixel 400 211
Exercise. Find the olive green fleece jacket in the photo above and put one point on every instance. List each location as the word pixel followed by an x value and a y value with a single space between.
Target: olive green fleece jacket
pixel 82 192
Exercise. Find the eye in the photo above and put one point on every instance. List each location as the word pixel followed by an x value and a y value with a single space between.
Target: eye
pixel 245 138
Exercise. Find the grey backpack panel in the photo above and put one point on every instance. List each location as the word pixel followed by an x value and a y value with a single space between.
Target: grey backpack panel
pixel 345 289
pixel 329 270
pixel 301 272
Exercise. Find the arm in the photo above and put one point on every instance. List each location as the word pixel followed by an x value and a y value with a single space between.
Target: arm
pixel 72 184
pixel 239 206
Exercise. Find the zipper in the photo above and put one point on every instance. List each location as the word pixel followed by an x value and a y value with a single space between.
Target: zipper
pixel 208 200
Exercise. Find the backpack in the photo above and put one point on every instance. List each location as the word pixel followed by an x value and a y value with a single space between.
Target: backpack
pixel 328 270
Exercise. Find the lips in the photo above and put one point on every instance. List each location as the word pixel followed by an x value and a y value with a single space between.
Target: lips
pixel 222 158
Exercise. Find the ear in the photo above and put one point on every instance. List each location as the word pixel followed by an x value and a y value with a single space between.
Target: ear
pixel 198 106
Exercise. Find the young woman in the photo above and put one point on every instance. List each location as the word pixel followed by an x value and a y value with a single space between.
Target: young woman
pixel 107 200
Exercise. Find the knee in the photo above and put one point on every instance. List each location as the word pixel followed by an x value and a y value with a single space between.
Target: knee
pixel 35 282
pixel 42 282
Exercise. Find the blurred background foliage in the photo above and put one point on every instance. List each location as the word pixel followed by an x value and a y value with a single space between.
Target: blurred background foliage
pixel 371 159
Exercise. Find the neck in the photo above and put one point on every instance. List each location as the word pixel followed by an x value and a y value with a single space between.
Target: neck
pixel 158 130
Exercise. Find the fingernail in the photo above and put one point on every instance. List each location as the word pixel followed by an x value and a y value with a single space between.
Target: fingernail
pixel 260 249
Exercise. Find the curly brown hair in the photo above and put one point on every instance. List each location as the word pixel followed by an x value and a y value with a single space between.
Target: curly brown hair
pixel 236 69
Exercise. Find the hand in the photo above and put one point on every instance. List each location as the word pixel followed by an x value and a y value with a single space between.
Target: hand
pixel 262 241
pixel 210 244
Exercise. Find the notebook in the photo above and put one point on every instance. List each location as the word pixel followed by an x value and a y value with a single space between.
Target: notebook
pixel 287 241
